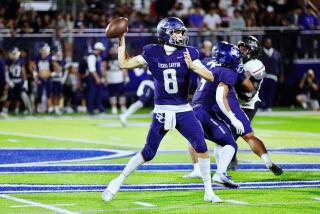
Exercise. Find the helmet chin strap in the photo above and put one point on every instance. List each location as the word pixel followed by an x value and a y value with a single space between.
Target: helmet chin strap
pixel 169 49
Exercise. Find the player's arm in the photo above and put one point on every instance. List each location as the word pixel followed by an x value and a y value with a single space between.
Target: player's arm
pixel 124 61
pixel 197 67
pixel 92 68
pixel 223 103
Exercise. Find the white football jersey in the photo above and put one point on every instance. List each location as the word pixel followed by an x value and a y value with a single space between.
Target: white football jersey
pixel 254 68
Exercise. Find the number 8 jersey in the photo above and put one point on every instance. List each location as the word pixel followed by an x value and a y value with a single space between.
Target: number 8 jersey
pixel 170 73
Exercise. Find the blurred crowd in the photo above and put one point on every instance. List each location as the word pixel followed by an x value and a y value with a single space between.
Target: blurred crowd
pixel 202 14
pixel 53 69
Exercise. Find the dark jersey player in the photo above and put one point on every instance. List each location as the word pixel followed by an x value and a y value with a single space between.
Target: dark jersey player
pixel 255 71
pixel 170 63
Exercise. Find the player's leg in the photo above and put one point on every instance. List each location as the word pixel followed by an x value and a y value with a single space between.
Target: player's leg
pixel 112 98
pixel 256 144
pixel 191 129
pixel 155 135
pixel 216 131
pixel 122 97
pixel 194 158
pixel 48 86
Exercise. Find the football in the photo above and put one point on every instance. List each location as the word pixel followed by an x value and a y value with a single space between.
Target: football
pixel 117 27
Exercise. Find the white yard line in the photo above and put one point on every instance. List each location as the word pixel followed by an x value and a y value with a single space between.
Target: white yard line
pixel 56 205
pixel 45 206
pixel 235 201
pixel 145 204
pixel 317 198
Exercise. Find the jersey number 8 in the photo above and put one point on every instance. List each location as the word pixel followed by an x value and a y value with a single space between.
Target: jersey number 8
pixel 170 81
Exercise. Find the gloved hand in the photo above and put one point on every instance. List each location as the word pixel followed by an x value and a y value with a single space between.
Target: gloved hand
pixel 237 124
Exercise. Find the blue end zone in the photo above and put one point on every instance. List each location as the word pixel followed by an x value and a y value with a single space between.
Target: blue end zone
pixel 20 156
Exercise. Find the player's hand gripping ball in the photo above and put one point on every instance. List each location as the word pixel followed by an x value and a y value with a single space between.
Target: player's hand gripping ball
pixel 117 27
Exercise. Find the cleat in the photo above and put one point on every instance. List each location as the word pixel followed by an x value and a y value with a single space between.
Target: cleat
pixel 111 190
pixel 123 120
pixel 212 198
pixel 233 165
pixel 192 174
pixel 276 169
pixel 225 180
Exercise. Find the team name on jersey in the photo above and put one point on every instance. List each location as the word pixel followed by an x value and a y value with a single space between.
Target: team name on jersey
pixel 169 65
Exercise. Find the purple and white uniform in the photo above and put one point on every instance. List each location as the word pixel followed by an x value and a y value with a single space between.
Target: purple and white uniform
pixel 15 76
pixel 43 64
pixel 172 110
pixel 145 91
pixel 206 108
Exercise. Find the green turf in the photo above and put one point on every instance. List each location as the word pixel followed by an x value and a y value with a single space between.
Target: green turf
pixel 155 177
pixel 83 132
pixel 259 201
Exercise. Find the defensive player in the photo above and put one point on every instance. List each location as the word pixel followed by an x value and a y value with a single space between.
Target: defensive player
pixel 255 71
pixel 145 93
pixel 170 63
pixel 228 63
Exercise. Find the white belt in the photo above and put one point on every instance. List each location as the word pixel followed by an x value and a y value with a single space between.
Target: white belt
pixel 169 112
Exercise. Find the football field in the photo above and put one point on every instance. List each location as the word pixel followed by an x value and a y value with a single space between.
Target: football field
pixel 62 165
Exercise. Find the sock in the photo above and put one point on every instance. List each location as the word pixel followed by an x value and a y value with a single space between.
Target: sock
pixel 226 155
pixel 132 165
pixel 267 161
pixel 133 108
pixel 204 166
pixel 216 153
pixel 196 168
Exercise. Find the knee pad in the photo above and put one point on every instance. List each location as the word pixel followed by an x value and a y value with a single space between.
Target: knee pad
pixel 148 153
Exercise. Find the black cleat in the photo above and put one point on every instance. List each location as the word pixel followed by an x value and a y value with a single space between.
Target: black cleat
pixel 276 169
pixel 233 165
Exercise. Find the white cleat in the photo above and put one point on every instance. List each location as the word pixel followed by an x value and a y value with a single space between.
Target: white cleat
pixel 111 190
pixel 224 179
pixel 123 120
pixel 192 174
pixel 212 198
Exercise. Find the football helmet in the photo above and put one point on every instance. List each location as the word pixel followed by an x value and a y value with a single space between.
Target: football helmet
pixel 45 50
pixel 253 46
pixel 166 29
pixel 228 55
pixel 14 53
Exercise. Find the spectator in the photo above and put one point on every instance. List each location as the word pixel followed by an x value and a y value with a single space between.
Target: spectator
pixel 3 85
pixel 195 16
pixel 308 22
pixel 225 19
pixel 236 23
pixel 272 61
pixel 212 20
pixel 292 18
pixel 206 49
pixel 308 91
